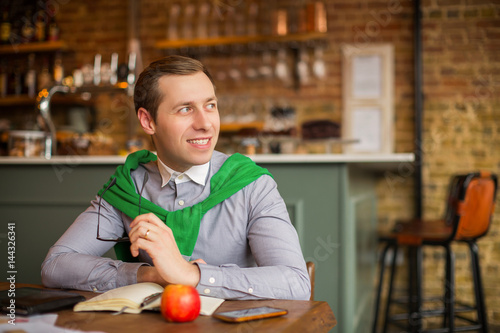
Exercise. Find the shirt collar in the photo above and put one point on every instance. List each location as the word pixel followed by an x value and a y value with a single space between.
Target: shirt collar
pixel 197 173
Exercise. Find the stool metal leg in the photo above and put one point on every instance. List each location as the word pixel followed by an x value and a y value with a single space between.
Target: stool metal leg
pixel 446 318
pixel 450 288
pixel 478 287
pixel 379 288
pixel 415 289
pixel 391 284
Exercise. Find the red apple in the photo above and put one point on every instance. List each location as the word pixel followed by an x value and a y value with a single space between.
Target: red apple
pixel 180 303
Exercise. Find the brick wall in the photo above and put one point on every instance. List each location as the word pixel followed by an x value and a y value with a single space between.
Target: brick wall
pixel 462 120
pixel 461 55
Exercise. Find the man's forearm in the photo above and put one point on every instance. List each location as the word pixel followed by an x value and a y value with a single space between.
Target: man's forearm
pixel 85 272
pixel 233 282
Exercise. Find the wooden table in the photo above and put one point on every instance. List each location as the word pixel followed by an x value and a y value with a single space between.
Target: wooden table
pixel 303 316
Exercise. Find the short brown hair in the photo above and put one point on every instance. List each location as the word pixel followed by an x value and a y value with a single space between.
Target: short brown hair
pixel 146 92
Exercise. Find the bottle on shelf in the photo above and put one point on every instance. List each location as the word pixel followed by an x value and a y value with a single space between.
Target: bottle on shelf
pixel 5 28
pixel 40 26
pixel 16 81
pixel 316 17
pixel 3 79
pixel 58 69
pixel 53 30
pixel 28 28
pixel 297 20
pixel 280 22
pixel 78 77
pixel 30 77
pixel 16 32
pixel 44 78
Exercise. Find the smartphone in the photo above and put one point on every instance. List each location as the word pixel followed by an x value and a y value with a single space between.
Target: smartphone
pixel 250 314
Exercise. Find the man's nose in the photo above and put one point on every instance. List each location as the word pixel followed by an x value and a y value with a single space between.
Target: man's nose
pixel 201 119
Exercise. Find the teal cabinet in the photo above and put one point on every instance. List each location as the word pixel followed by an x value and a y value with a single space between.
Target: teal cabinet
pixel 333 208
pixel 41 201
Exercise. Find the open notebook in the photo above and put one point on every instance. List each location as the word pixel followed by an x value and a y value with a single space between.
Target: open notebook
pixel 133 296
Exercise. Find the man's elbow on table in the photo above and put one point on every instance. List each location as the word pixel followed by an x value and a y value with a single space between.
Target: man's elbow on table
pixel 305 293
pixel 301 289
pixel 51 273
pixel 49 279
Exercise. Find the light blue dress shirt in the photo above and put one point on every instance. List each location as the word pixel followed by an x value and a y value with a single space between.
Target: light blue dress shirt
pixel 251 248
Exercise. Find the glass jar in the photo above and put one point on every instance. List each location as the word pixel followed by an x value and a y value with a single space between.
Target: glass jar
pixel 27 143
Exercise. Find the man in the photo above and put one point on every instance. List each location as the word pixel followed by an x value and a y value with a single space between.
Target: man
pixel 194 216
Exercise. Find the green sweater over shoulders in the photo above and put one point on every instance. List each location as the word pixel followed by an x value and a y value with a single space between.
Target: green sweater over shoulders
pixel 237 172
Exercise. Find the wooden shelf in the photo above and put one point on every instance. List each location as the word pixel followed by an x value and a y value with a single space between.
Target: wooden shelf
pixel 234 127
pixel 33 47
pixel 183 43
pixel 17 100
pixel 75 96
pixel 59 99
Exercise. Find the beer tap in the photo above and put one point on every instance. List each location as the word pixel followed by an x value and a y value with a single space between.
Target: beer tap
pixel 44 106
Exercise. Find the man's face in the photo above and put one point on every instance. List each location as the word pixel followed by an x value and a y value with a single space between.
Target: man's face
pixel 187 123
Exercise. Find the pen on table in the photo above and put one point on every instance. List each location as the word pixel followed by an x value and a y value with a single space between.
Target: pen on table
pixel 150 299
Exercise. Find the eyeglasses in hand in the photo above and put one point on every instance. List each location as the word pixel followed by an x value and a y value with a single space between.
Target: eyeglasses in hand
pixel 124 238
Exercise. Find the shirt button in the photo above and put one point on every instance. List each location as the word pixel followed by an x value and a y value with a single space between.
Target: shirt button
pixel 181 202
pixel 206 291
pixel 211 280
pixel 180 177
pixel 250 290
pixel 94 289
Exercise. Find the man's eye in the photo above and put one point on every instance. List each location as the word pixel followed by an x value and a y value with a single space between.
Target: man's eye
pixel 212 106
pixel 184 110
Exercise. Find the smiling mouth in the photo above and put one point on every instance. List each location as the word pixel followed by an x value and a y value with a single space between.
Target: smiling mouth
pixel 199 141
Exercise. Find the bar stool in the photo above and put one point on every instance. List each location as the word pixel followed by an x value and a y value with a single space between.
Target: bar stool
pixel 469 211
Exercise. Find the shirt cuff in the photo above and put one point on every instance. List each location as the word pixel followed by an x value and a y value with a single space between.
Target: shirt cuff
pixel 210 280
pixel 127 273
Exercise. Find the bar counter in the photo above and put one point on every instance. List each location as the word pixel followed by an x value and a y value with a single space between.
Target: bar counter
pixel 331 200
pixel 379 160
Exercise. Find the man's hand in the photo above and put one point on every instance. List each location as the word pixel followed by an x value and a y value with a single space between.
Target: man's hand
pixel 150 234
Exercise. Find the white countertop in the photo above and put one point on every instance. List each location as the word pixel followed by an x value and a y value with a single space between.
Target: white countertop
pixel 379 159
pixel 333 158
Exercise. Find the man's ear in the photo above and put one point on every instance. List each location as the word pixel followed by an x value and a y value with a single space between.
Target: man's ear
pixel 147 122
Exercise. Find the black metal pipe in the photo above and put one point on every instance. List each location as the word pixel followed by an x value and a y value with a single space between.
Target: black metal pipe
pixel 418 108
